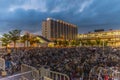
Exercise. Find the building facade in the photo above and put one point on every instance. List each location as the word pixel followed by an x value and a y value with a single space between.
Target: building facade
pixel 58 30
pixel 110 38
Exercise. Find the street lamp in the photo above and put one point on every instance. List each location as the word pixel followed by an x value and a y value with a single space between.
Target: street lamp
pixel 103 46
pixel 80 44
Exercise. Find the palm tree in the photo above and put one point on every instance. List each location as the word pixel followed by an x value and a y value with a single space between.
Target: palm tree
pixel 106 43
pixel 24 38
pixel 5 40
pixel 73 42
pixel 65 43
pixel 88 42
pixel 59 42
pixel 77 42
pixel 33 40
pixel 14 36
pixel 27 35
pixel 82 42
pixel 98 42
pixel 55 41
pixel 39 42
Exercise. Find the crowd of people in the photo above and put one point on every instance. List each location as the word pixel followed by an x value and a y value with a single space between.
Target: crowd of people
pixel 76 62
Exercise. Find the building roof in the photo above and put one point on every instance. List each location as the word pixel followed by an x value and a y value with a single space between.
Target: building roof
pixel 43 38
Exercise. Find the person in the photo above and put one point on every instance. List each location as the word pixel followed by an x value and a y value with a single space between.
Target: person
pixel 106 77
pixel 74 61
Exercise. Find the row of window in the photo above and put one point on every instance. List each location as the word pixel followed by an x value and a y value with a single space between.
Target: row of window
pixel 104 34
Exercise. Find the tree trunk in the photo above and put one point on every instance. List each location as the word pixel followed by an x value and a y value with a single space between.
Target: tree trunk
pixel 24 44
pixel 14 44
pixel 27 43
pixel 6 48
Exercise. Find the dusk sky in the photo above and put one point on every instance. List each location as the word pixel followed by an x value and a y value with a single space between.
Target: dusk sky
pixel 88 15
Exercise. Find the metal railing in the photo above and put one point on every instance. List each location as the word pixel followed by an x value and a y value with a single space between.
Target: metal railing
pixel 20 76
pixel 31 73
pixel 53 75
pixel 114 74
pixel 43 73
pixel 58 76
pixel 34 71
pixel 46 78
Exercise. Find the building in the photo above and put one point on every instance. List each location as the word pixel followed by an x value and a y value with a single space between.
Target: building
pixel 58 30
pixel 108 38
pixel 33 41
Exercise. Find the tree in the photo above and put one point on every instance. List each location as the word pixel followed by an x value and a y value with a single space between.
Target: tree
pixel 82 42
pixel 106 43
pixel 88 42
pixel 55 41
pixel 65 43
pixel 34 39
pixel 24 38
pixel 14 36
pixel 59 42
pixel 5 40
pixel 37 40
pixel 73 42
pixel 98 42
pixel 77 42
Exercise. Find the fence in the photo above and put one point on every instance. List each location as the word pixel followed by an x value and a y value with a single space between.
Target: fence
pixel 27 73
pixel 43 73
pixel 21 76
pixel 31 73
pixel 53 75
pixel 34 71
pixel 115 74
pixel 58 76
pixel 46 78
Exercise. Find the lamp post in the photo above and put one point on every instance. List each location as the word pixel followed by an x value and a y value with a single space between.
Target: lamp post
pixel 103 46
pixel 116 39
pixel 80 44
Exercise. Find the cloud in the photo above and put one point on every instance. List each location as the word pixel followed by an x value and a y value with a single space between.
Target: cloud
pixel 84 5
pixel 30 5
pixel 87 14
pixel 67 5
pixel 57 9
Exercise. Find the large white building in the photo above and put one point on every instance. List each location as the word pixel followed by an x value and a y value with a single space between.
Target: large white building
pixel 58 30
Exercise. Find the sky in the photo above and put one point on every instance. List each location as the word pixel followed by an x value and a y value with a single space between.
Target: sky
pixel 88 15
